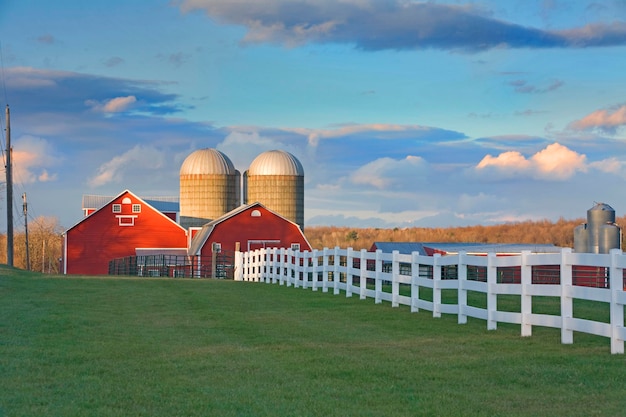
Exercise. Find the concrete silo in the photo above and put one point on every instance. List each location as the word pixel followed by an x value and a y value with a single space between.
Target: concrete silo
pixel 600 234
pixel 276 180
pixel 209 187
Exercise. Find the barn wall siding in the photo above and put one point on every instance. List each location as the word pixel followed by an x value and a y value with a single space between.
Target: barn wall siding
pixel 98 238
pixel 244 227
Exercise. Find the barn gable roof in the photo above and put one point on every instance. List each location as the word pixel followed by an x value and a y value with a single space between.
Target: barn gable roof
pixel 426 248
pixel 405 248
pixel 111 199
pixel 199 240
pixel 160 203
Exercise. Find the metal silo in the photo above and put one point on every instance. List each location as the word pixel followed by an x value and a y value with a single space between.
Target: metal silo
pixel 209 187
pixel 597 217
pixel 600 234
pixel 581 241
pixel 610 237
pixel 276 180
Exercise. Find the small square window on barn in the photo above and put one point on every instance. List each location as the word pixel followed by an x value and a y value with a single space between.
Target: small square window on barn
pixel 295 246
pixel 117 208
pixel 136 208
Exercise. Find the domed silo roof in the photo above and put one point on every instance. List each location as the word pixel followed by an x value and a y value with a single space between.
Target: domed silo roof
pixel 276 162
pixel 209 187
pixel 207 161
pixel 276 180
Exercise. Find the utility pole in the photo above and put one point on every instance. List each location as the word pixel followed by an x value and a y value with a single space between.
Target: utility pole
pixel 9 175
pixel 25 207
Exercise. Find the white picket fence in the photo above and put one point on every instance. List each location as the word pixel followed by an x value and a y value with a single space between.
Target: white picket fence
pixel 351 271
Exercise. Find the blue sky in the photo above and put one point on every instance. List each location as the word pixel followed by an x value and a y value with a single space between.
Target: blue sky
pixel 403 113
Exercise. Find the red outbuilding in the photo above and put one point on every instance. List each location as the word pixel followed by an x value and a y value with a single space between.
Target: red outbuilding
pixel 120 228
pixel 247 228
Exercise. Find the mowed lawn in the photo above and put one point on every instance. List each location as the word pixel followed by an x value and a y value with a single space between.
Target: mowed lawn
pixel 167 347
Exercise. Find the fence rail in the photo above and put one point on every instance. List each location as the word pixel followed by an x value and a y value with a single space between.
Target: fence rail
pixel 398 278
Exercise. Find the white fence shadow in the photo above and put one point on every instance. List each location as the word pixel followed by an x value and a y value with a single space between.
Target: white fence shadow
pixel 399 278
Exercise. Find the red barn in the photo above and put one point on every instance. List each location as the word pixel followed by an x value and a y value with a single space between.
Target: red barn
pixel 118 229
pixel 250 227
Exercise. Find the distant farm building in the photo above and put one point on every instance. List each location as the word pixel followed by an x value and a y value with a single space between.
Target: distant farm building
pixel 546 274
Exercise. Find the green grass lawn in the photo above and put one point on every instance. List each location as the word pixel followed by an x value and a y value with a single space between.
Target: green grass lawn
pixel 163 347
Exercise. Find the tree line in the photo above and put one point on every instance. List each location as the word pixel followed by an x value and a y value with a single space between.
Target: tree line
pixel 45 243
pixel 559 233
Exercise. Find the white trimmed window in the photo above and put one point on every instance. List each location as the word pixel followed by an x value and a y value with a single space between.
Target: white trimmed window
pixel 126 220
pixel 295 246
pixel 136 208
pixel 117 208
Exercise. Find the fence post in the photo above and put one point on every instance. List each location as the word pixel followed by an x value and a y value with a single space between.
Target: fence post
pixel 239 266
pixel 526 302
pixel 363 275
pixel 567 303
pixel 251 267
pixel 263 265
pixel 304 268
pixel 255 266
pixel 395 279
pixel 271 255
pixel 436 285
pixel 617 310
pixel 268 270
pixel 462 292
pixel 315 267
pixel 282 266
pixel 336 263
pixel 349 260
pixel 325 256
pixel 492 296
pixel 247 267
pixel 415 288
pixel 295 255
pixel 378 283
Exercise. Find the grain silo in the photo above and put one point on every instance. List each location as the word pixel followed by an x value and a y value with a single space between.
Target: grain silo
pixel 600 234
pixel 276 180
pixel 209 187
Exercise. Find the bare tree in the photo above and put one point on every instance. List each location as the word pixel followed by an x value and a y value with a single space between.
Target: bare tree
pixel 44 246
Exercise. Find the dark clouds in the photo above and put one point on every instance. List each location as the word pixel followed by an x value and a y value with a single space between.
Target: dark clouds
pixel 523 86
pixel 378 25
pixel 43 90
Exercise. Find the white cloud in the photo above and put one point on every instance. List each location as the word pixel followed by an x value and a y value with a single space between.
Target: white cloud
pixel 244 144
pixel 512 162
pixel 31 78
pixel 142 157
pixel 315 135
pixel 32 157
pixel 114 105
pixel 480 201
pixel 387 172
pixel 242 147
pixel 559 162
pixel 604 120
pixel 555 162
